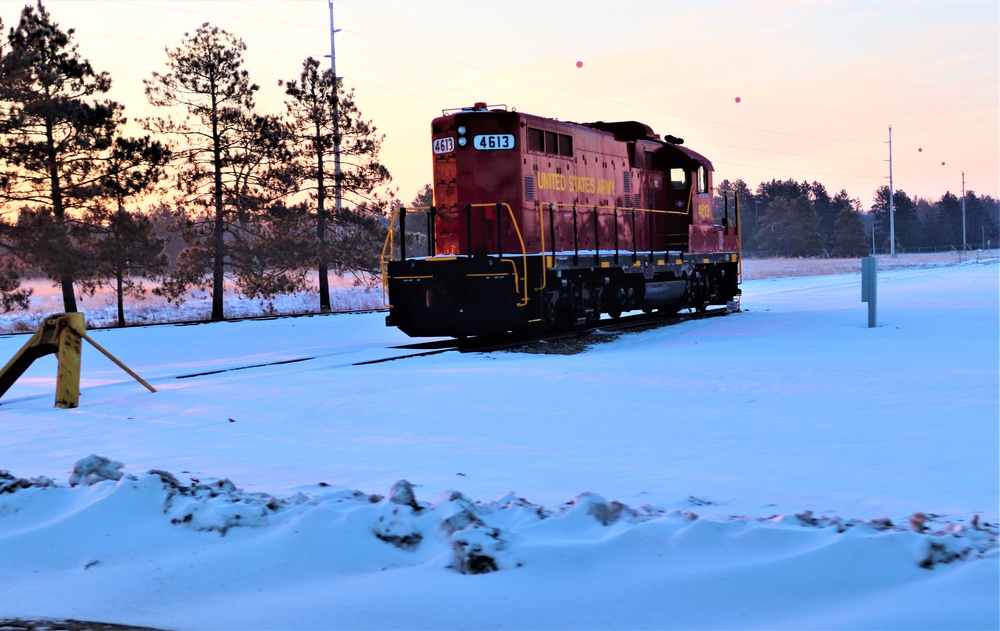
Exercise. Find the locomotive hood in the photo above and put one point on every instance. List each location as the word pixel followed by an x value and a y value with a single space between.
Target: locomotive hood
pixel 634 130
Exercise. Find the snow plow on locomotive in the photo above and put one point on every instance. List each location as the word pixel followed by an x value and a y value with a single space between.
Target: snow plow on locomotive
pixel 540 224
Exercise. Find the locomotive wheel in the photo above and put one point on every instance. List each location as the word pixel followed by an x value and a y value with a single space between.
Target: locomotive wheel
pixel 617 301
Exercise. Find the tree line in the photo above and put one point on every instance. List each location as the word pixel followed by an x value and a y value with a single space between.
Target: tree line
pixel 251 195
pixel 789 218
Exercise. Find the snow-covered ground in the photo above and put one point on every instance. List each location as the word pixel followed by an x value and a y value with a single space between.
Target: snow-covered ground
pixel 348 293
pixel 782 467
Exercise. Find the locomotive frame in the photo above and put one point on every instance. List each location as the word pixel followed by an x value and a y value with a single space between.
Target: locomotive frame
pixel 540 224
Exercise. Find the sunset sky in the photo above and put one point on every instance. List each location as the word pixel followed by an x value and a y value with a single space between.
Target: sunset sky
pixel 819 83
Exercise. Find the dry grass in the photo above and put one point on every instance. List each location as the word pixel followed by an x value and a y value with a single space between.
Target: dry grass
pixel 758 269
pixel 101 309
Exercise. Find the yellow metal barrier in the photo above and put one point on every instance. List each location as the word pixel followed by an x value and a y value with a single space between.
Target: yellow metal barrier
pixel 63 335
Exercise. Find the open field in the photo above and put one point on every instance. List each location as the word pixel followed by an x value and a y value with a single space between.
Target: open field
pixel 101 310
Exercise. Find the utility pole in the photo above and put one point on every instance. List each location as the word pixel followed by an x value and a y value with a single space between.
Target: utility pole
pixel 892 218
pixel 965 245
pixel 337 189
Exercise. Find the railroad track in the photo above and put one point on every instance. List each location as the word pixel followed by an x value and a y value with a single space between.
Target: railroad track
pixel 633 323
pixel 511 341
pixel 468 345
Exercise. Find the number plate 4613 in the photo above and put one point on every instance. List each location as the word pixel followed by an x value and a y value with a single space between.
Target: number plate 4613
pixel 490 142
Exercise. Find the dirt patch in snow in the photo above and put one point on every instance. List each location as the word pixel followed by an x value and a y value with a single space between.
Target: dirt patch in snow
pixel 574 344
pixel 565 345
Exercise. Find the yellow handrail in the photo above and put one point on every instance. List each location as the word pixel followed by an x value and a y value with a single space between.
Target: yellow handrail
pixel 524 250
pixel 739 234
pixel 389 245
pixel 541 223
pixel 739 238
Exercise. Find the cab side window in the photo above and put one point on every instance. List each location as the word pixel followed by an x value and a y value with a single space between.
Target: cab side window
pixel 702 180
pixel 678 179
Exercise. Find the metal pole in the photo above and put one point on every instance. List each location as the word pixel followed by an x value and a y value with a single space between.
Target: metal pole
pixel 965 245
pixel 892 219
pixel 869 288
pixel 337 189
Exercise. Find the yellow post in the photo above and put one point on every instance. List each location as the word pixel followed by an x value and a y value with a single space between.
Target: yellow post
pixel 62 334
pixel 69 343
pixel 42 343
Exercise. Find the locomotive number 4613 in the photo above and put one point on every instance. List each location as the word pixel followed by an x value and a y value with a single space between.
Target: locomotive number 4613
pixel 444 145
pixel 493 141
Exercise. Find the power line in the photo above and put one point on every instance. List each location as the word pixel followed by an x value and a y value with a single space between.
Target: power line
pixel 496 73
pixel 599 98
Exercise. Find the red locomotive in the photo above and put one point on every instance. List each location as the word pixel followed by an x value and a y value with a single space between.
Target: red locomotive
pixel 540 224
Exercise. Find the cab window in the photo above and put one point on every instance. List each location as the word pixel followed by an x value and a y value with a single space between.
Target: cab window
pixel 678 179
pixel 702 180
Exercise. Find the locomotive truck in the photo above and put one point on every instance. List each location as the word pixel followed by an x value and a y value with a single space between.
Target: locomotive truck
pixel 539 225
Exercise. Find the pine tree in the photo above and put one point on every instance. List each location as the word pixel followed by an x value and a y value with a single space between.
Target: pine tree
pixel 270 246
pixel 328 126
pixel 51 134
pixel 12 295
pixel 826 211
pixel 128 251
pixel 726 196
pixel 982 219
pixel 907 226
pixel 849 238
pixel 206 79
pixel 945 226
pixel 126 248
pixel 418 227
pixel 788 228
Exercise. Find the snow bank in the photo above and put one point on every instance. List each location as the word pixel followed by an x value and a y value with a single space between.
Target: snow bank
pixel 193 541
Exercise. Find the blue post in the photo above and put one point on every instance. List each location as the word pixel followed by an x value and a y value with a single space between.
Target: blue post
pixel 869 282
